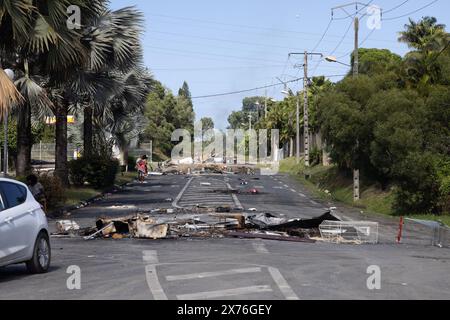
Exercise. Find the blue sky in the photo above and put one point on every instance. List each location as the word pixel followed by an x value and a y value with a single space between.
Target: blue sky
pixel 223 46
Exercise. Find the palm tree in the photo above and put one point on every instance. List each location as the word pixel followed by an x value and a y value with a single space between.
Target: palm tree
pixel 113 41
pixel 123 118
pixel 425 35
pixel 36 41
pixel 429 39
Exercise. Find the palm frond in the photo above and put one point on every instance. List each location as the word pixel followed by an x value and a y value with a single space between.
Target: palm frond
pixel 36 95
pixel 9 95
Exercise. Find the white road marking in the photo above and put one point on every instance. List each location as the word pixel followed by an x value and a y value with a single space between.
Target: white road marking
pixel 235 198
pixel 284 287
pixel 302 195
pixel 151 256
pixel 293 190
pixel 224 293
pixel 175 203
pixel 211 274
pixel 286 186
pixel 153 283
pixel 260 247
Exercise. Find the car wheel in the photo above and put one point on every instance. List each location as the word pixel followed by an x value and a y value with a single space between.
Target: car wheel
pixel 40 262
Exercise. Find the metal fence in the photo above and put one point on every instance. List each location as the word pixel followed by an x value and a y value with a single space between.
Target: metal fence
pixel 44 153
pixel 143 148
pixel 424 232
pixel 360 232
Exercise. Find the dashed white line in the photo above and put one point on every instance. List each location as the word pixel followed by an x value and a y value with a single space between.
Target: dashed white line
pixel 260 247
pixel 284 287
pixel 212 274
pixel 224 293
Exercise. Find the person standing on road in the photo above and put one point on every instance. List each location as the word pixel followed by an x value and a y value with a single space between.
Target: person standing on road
pixel 142 168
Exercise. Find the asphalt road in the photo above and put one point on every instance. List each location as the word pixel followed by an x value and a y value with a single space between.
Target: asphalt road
pixel 188 269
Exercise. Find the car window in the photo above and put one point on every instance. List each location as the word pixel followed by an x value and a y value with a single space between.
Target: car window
pixel 13 194
pixel 2 204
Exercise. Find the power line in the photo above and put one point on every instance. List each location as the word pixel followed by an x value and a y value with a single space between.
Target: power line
pixel 237 25
pixel 343 38
pixel 209 54
pixel 219 39
pixel 258 34
pixel 410 13
pixel 216 68
pixel 323 35
pixel 258 88
pixel 396 7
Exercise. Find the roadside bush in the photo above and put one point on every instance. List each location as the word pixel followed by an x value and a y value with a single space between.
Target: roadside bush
pixel 101 173
pixel 97 171
pixel 132 163
pixel 315 156
pixel 54 190
pixel 418 185
pixel 78 172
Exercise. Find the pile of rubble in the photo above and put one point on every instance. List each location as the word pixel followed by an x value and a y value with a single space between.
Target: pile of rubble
pixel 172 168
pixel 199 223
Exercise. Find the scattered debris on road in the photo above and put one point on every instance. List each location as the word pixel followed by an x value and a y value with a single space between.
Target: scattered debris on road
pixel 223 222
pixel 356 232
pixel 65 226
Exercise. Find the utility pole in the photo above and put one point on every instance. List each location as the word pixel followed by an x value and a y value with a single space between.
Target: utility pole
pixel 305 108
pixel 265 104
pixel 356 176
pixel 355 16
pixel 305 111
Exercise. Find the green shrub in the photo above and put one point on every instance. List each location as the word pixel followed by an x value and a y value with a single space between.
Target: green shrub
pixel 97 171
pixel 101 173
pixel 132 163
pixel 54 190
pixel 417 186
pixel 78 172
pixel 315 156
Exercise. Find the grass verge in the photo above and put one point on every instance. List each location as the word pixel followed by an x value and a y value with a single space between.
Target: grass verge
pixel 329 183
pixel 76 195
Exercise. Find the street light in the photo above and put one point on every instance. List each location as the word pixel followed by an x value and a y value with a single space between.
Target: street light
pixel 10 74
pixel 334 60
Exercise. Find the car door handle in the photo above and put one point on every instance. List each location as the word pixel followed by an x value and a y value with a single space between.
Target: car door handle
pixel 9 220
pixel 33 211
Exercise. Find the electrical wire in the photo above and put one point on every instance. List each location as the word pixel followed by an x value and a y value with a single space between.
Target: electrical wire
pixel 258 88
pixel 342 39
pixel 323 35
pixel 410 13
pixel 396 7
pixel 209 54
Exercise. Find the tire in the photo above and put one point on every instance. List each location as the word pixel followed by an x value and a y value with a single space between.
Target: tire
pixel 40 262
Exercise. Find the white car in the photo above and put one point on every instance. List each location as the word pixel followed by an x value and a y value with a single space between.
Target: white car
pixel 24 236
